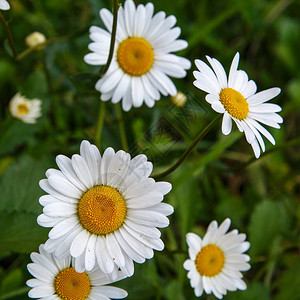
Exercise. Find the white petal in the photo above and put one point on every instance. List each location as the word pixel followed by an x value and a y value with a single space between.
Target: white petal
pixel 104 260
pixel 112 292
pixel 138 246
pixel 128 249
pixel 65 164
pixel 82 170
pixel 117 169
pixel 64 186
pixel 151 232
pixel 144 201
pixel 263 96
pixel 106 158
pixel 218 107
pixel 226 124
pixel 155 244
pixel 233 70
pixel 59 209
pixel 114 250
pixel 63 227
pixel 121 88
pixel 107 18
pixel 163 208
pixel 92 156
pixel 137 91
pixel 90 257
pixel 219 70
pixel 41 292
pixel 148 218
pixel 79 243
pixel 63 249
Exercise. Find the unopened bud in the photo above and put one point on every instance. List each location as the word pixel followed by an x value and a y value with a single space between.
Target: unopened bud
pixel 36 40
pixel 179 99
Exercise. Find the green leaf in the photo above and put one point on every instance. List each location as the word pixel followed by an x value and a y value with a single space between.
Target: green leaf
pixel 15 135
pixel 19 185
pixel 173 291
pixel 289 283
pixel 268 220
pixel 19 233
pixel 12 281
pixel 187 205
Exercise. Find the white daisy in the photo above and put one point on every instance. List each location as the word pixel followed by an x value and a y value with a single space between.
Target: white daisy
pixel 4 5
pixel 237 99
pixel 104 210
pixel 24 109
pixel 56 279
pixel 142 58
pixel 216 260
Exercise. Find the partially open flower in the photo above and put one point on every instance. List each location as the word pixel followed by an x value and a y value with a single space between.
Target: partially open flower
pixel 24 109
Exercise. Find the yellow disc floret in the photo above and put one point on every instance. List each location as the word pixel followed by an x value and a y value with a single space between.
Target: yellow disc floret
pixel 135 56
pixel 234 103
pixel 70 285
pixel 210 261
pixel 102 210
pixel 22 109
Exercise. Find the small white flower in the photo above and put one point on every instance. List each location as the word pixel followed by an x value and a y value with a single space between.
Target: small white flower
pixel 24 109
pixel 143 57
pixel 217 260
pixel 104 210
pixel 36 40
pixel 237 99
pixel 57 279
pixel 4 5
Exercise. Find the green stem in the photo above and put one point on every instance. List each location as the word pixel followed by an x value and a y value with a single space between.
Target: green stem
pixel 100 123
pixel 47 74
pixel 9 36
pixel 122 127
pixel 198 138
pixel 113 38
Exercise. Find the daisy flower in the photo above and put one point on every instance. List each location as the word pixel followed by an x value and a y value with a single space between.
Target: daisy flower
pixel 216 260
pixel 237 99
pixel 4 5
pixel 24 109
pixel 104 210
pixel 142 59
pixel 57 279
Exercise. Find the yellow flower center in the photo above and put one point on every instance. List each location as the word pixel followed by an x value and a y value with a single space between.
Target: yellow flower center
pixel 101 210
pixel 234 103
pixel 70 285
pixel 22 109
pixel 135 56
pixel 210 261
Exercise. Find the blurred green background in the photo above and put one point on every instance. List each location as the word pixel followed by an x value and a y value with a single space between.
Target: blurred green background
pixel 220 179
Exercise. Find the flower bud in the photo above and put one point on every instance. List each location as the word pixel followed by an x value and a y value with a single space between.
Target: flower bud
pixel 36 40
